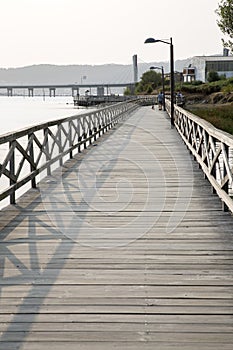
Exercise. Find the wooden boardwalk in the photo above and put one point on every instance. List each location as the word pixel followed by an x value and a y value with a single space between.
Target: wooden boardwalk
pixel 125 248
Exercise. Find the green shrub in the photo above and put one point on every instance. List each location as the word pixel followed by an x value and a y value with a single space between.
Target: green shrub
pixel 213 76
pixel 149 89
pixel 139 88
pixel 197 82
pixel 209 88
pixel 227 88
pixel 127 92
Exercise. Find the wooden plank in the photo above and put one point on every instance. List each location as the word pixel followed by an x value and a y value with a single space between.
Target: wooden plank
pixel 122 337
pixel 115 345
pixel 113 302
pixel 152 308
pixel 148 320
pixel 120 327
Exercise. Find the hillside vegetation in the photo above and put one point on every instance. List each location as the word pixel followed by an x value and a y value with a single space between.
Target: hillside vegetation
pixel 212 101
pixel 223 85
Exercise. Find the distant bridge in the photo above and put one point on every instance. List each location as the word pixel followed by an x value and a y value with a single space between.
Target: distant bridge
pixel 102 89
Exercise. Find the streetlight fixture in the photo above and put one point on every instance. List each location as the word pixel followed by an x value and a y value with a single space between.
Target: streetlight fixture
pixel 152 41
pixel 164 108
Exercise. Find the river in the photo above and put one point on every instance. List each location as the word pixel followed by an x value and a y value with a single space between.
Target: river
pixel 19 112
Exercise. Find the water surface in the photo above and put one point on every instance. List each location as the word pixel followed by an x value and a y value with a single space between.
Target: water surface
pixel 18 112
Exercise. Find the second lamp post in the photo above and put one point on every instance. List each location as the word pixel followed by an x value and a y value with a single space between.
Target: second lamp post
pixel 172 85
pixel 164 108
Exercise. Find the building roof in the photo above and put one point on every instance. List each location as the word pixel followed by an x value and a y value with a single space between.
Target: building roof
pixel 215 58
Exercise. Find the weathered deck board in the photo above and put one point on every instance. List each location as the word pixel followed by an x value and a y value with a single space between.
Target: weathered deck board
pixel 126 249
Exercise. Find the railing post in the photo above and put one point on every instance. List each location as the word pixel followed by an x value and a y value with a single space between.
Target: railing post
pixel 70 139
pixel 89 130
pixel 213 171
pixel 95 131
pixel 90 135
pixel 226 185
pixel 79 135
pixel 12 173
pixel 85 140
pixel 84 131
pixel 47 151
pixel 31 153
pixel 105 121
pixel 60 144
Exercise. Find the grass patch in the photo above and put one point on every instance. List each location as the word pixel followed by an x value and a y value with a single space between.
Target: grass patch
pixel 221 116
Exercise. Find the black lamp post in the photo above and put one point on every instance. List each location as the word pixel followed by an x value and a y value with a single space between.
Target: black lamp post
pixel 164 108
pixel 172 85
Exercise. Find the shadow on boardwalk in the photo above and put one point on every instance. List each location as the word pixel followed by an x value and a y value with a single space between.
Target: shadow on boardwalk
pixel 125 247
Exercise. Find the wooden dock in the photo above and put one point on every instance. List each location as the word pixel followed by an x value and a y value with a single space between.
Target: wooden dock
pixel 95 100
pixel 125 248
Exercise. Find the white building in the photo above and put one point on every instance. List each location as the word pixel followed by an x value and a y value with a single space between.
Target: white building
pixel 201 65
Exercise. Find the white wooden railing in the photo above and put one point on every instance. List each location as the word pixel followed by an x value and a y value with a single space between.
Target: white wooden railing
pixel 213 150
pixel 26 153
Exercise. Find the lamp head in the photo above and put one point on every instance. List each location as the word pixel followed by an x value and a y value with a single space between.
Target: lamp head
pixel 153 67
pixel 150 41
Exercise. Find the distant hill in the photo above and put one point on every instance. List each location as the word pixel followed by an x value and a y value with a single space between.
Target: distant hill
pixel 69 74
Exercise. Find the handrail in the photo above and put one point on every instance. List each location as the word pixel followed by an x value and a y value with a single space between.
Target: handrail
pixel 213 150
pixel 27 152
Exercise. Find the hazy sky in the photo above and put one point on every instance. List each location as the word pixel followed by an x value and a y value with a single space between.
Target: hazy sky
pixel 105 31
